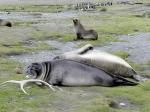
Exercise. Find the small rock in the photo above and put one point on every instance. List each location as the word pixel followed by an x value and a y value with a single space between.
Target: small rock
pixel 114 104
pixel 18 70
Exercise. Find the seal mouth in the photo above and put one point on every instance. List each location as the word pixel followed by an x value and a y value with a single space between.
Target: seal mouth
pixel 31 74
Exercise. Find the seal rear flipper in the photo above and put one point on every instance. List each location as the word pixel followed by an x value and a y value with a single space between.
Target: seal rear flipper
pixel 118 80
pixel 141 78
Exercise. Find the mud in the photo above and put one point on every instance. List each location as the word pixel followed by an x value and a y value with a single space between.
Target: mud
pixel 137 46
pixel 124 103
pixel 47 55
pixel 24 16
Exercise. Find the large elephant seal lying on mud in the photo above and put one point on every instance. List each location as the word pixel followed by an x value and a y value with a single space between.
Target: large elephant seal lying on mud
pixel 81 33
pixel 108 62
pixel 5 23
pixel 71 73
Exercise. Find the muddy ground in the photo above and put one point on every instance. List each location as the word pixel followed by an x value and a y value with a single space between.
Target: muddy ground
pixel 136 45
pixel 34 32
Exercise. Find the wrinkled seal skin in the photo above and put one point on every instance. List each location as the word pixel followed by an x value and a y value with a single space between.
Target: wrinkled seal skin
pixel 5 23
pixel 71 73
pixel 108 62
pixel 81 33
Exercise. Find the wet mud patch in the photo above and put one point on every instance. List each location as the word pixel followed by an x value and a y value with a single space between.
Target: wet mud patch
pixel 47 55
pixel 120 102
pixel 63 106
pixel 77 98
pixel 136 45
pixel 55 26
pixel 26 16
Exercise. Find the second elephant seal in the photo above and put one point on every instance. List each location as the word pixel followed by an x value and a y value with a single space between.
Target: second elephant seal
pixel 108 62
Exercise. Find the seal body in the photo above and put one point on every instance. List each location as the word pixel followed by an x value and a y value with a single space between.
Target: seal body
pixel 81 33
pixel 108 62
pixel 71 73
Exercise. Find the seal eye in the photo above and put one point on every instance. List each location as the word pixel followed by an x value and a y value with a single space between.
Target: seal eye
pixel 34 70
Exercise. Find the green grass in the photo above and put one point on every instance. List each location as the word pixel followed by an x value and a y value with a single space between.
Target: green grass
pixel 13 41
pixel 20 49
pixel 136 66
pixel 75 99
pixel 118 24
pixel 122 54
pixel 102 40
pixel 125 25
pixel 32 8
pixel 8 65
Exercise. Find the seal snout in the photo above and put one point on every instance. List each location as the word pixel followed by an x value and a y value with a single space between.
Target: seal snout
pixel 34 70
pixel 75 21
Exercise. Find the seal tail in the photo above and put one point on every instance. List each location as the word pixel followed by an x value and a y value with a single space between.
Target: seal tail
pixel 118 80
pixel 141 78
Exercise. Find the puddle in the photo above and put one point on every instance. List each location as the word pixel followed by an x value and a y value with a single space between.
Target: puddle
pixel 47 55
pixel 138 46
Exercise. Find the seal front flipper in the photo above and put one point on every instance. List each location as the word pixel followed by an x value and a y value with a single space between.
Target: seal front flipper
pixel 80 51
pixel 118 80
pixel 85 49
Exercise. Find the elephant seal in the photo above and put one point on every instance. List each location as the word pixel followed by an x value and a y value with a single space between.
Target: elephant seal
pixel 108 62
pixel 81 33
pixel 71 73
pixel 5 23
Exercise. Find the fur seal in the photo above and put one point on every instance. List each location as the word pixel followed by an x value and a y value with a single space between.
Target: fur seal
pixel 81 33
pixel 108 62
pixel 5 23
pixel 72 73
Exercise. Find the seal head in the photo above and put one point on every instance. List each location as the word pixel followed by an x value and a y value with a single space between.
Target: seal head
pixel 34 70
